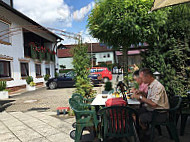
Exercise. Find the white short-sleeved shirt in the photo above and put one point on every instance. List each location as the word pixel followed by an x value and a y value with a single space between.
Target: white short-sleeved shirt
pixel 157 93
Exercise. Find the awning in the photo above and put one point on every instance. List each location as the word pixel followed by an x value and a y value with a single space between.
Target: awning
pixel 164 3
pixel 132 52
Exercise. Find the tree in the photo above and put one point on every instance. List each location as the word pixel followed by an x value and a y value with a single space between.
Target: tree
pixel 81 65
pixel 170 52
pixel 120 23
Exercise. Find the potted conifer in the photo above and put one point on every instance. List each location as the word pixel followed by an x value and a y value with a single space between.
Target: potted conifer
pixel 108 87
pixel 3 92
pixel 31 86
pixel 46 77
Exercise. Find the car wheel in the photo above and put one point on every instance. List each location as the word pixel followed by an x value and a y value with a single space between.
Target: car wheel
pixel 53 85
pixel 72 134
pixel 105 79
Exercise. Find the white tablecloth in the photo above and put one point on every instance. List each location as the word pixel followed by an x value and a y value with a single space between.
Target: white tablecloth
pixel 101 101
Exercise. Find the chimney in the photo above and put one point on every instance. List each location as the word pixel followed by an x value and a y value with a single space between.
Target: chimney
pixel 9 2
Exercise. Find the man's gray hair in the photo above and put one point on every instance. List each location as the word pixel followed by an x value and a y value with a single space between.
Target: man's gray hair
pixel 146 71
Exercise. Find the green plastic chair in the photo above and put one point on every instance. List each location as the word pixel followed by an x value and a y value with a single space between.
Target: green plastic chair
pixel 84 118
pixel 81 99
pixel 118 122
pixel 185 113
pixel 170 123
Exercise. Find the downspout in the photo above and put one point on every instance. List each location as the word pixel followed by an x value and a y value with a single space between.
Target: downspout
pixel 55 48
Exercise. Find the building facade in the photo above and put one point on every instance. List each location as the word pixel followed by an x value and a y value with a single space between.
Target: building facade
pixel 26 48
pixel 98 52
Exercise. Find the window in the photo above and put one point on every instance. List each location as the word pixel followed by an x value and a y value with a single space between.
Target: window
pixel 5 70
pixel 48 71
pixel 4 32
pixel 24 69
pixel 38 70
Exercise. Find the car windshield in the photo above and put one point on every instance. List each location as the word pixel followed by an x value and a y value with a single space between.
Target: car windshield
pixel 96 70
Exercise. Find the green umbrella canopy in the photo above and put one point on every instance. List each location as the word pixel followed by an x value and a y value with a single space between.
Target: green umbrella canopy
pixel 164 3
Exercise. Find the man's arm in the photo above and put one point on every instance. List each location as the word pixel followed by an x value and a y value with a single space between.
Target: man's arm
pixel 145 100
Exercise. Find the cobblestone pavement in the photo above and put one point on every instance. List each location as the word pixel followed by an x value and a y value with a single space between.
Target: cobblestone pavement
pixel 42 99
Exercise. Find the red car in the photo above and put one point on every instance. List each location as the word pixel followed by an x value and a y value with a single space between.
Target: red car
pixel 106 74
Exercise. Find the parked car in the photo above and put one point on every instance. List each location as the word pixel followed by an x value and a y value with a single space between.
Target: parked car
pixel 67 80
pixel 106 74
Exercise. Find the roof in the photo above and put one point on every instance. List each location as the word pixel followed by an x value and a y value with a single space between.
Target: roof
pixel 64 53
pixel 96 48
pixel 26 18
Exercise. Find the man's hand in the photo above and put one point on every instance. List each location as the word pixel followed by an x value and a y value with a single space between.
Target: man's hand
pixel 135 96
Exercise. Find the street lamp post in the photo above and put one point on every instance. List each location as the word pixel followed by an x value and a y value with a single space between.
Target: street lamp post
pixel 91 53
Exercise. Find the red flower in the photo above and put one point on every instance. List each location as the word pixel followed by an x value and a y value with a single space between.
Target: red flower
pixel 54 52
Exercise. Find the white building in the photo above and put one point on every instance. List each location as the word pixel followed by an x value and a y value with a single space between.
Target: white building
pixel 26 48
pixel 100 53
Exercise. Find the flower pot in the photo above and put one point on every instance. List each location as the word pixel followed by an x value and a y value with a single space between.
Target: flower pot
pixel 4 94
pixel 30 88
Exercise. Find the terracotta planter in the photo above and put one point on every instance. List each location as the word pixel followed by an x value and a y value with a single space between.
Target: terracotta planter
pixel 4 94
pixel 30 88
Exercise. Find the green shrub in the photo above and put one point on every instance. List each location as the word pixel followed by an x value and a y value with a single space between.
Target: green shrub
pixel 29 79
pixel 108 86
pixel 46 77
pixel 3 85
pixel 56 74
pixel 65 71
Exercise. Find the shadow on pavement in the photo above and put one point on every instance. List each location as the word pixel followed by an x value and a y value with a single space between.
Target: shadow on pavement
pixel 39 109
pixel 4 104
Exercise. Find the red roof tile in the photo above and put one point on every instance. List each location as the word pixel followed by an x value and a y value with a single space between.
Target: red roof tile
pixel 63 53
pixel 96 47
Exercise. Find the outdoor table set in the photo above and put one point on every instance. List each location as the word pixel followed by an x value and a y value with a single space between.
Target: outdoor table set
pixel 116 116
pixel 113 119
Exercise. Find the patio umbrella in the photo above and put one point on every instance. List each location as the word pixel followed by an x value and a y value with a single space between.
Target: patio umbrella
pixel 164 3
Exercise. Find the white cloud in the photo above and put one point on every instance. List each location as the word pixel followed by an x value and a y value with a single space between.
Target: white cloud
pixel 46 12
pixel 79 15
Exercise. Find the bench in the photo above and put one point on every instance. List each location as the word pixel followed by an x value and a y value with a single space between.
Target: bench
pixel 63 110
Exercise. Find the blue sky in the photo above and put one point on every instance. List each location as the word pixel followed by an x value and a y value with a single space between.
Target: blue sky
pixel 67 15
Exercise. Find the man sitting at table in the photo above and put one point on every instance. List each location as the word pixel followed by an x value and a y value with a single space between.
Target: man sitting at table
pixel 156 98
pixel 143 88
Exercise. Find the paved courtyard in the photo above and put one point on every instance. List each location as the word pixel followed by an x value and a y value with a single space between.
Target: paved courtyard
pixel 31 117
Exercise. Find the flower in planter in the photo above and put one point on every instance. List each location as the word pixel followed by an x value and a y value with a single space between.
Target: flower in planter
pixel 29 79
pixel 32 84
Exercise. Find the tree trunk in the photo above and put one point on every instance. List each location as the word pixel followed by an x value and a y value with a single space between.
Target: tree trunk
pixel 125 64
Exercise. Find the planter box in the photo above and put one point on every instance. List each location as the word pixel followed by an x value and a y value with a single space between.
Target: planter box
pixel 4 94
pixel 30 88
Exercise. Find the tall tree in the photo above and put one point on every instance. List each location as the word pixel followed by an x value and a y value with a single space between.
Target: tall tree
pixel 120 23
pixel 81 65
pixel 169 53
